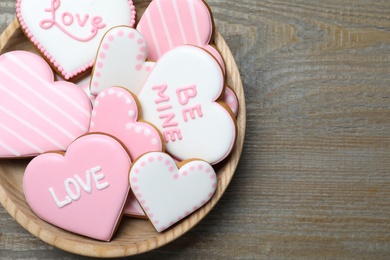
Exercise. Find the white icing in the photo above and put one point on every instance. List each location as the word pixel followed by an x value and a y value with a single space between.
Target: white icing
pixel 87 186
pixel 98 177
pixel 70 53
pixel 59 203
pixel 120 61
pixel 76 182
pixel 72 195
pixel 168 194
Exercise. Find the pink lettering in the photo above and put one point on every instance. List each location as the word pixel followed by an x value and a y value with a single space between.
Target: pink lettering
pixel 163 97
pixel 163 108
pixel 185 93
pixel 191 112
pixel 67 19
pixel 168 120
pixel 84 21
pixel 170 135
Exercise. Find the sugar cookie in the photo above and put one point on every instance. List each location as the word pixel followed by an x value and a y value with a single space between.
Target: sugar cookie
pixel 37 114
pixel 167 24
pixel 181 97
pixel 116 112
pixel 121 61
pixel 82 191
pixel 169 193
pixel 67 32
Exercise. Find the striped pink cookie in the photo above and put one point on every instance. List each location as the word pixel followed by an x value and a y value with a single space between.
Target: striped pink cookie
pixel 37 114
pixel 167 24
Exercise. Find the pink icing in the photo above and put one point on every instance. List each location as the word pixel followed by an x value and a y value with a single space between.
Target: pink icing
pixel 170 23
pixel 176 194
pixel 231 100
pixel 83 84
pixel 167 24
pixel 115 112
pixel 67 19
pixel 48 116
pixel 213 51
pixel 83 191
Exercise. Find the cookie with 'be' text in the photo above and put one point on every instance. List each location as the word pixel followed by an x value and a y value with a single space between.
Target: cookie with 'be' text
pixel 183 98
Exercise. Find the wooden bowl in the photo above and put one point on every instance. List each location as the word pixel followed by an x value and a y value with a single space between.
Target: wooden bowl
pixel 134 236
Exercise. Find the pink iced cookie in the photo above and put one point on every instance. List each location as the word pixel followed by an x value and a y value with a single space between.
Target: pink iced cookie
pixel 120 61
pixel 167 24
pixel 181 97
pixel 82 191
pixel 231 100
pixel 169 193
pixel 37 114
pixel 68 32
pixel 83 83
pixel 115 112
pixel 230 97
pixel 213 51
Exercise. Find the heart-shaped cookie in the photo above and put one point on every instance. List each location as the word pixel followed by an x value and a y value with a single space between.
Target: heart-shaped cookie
pixel 82 191
pixel 83 83
pixel 68 32
pixel 121 61
pixel 37 114
pixel 167 24
pixel 168 193
pixel 115 112
pixel 182 98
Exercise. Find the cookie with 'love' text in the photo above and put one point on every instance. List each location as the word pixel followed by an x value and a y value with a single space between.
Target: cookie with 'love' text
pixel 67 33
pixel 83 190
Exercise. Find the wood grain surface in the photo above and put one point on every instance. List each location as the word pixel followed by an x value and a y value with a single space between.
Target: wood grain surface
pixel 314 177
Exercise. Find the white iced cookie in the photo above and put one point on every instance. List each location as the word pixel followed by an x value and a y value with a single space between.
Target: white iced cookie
pixel 183 97
pixel 167 192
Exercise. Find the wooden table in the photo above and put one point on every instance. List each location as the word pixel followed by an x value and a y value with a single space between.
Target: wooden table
pixel 314 177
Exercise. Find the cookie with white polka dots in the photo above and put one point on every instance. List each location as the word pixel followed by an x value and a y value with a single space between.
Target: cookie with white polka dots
pixel 121 61
pixel 169 192
pixel 116 112
pixel 231 100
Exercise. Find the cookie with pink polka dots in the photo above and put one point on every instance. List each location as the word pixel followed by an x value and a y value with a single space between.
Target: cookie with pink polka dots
pixel 169 192
pixel 120 61
pixel 115 112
